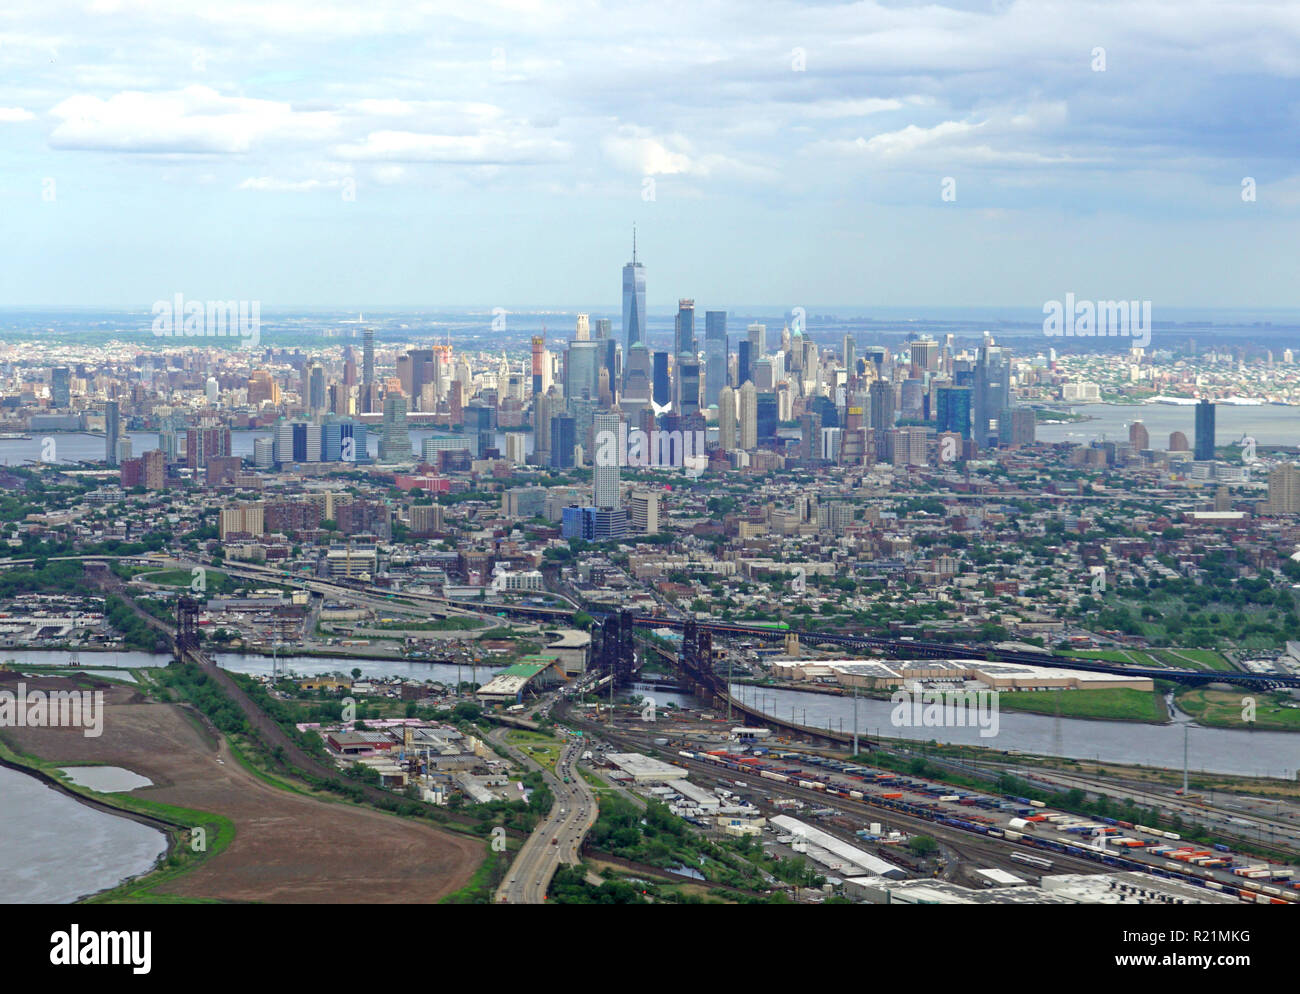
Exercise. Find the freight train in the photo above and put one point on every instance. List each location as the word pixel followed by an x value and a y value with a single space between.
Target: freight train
pixel 1250 891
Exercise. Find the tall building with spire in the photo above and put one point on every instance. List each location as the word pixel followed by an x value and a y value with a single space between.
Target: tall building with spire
pixel 633 299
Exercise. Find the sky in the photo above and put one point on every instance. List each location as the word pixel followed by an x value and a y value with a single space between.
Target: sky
pixel 386 154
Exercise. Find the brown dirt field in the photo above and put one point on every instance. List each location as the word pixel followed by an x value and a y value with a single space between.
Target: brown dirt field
pixel 287 848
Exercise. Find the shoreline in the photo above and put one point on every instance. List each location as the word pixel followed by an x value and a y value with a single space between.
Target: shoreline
pixel 93 800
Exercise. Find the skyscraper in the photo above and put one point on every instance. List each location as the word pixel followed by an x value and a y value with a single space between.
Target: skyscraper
pixel 954 411
pixel 1138 436
pixel 61 387
pixel 542 429
pixel 882 416
pixel 112 432
pixel 581 370
pixel 684 331
pixel 395 440
pixel 368 357
pixel 633 299
pixel 605 462
pixel 744 362
pixel 766 416
pixel 563 439
pixel 688 385
pixel 925 356
pixel 992 391
pixel 1017 426
pixel 609 357
pixel 715 355
pixel 582 332
pixel 882 405
pixel 727 418
pixel 415 369
pixel 316 389
pixel 1204 431
pixel 663 388
pixel 748 415
pixel 636 377
pixel 1283 490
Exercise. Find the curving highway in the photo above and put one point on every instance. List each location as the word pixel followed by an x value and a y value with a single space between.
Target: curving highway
pixel 558 836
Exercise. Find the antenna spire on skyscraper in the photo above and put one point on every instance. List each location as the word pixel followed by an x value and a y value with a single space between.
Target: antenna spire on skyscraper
pixel 634 243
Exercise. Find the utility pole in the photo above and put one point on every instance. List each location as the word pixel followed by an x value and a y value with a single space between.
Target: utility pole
pixel 729 657
pixel 1185 729
pixel 855 719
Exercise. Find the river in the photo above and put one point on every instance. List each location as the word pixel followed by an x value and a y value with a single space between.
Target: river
pixel 1213 750
pixel 1268 424
pixel 371 669
pixel 55 849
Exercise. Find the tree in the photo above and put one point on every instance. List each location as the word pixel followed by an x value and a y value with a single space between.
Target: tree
pixel 922 845
pixel 356 673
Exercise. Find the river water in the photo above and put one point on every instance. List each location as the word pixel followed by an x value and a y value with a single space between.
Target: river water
pixel 54 849
pixel 1217 750
pixel 1268 424
pixel 371 669
pixel 1214 750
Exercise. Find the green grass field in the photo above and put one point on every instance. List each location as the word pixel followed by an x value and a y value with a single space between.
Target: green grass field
pixel 1118 704
pixel 1224 709
pixel 542 748
pixel 1196 659
pixel 1131 657
pixel 216 581
pixel 1173 657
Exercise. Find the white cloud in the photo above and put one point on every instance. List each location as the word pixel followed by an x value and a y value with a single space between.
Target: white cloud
pixel 649 156
pixel 489 148
pixel 9 115
pixel 271 184
pixel 196 119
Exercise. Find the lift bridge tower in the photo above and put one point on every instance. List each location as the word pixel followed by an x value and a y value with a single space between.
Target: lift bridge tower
pixel 616 648
pixel 697 661
pixel 187 626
